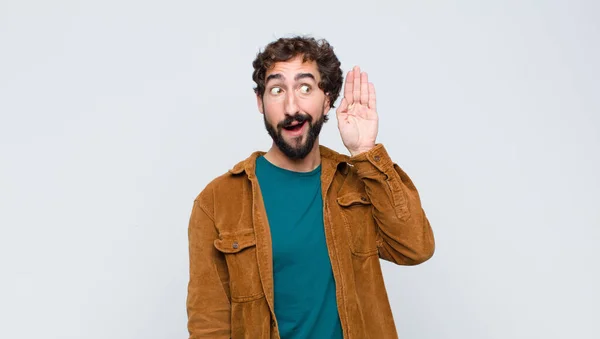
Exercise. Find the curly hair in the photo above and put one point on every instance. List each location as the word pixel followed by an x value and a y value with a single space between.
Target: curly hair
pixel 311 49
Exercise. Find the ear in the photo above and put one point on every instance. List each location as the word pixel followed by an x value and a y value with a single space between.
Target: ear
pixel 326 106
pixel 259 103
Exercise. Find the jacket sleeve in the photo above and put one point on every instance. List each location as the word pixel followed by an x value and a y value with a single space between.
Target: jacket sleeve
pixel 404 234
pixel 208 303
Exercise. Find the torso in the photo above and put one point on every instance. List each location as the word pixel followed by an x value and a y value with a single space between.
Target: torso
pixel 305 304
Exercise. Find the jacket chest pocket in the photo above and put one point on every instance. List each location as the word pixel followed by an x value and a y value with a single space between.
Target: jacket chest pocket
pixel 239 249
pixel 356 212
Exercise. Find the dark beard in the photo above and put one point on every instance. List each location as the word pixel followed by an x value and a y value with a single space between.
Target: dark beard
pixel 297 151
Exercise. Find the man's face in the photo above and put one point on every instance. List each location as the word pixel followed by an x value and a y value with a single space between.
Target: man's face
pixel 293 106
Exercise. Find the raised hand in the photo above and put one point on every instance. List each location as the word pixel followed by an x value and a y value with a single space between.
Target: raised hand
pixel 357 114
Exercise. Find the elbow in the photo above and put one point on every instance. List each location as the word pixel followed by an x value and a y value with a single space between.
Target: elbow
pixel 425 249
pixel 407 256
pixel 408 244
pixel 415 253
pixel 423 254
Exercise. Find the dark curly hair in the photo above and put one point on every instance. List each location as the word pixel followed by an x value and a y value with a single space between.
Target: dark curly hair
pixel 311 49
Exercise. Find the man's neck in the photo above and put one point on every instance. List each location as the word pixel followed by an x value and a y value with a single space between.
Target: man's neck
pixel 309 163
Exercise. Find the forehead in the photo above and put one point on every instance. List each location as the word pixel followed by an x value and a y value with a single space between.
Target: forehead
pixel 294 66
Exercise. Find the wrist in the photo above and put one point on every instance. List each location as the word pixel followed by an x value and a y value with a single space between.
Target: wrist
pixel 356 152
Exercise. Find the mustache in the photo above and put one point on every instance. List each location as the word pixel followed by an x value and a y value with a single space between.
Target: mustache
pixel 300 118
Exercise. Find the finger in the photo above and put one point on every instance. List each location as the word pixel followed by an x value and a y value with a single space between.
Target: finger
pixel 341 113
pixel 372 97
pixel 348 88
pixel 364 88
pixel 356 89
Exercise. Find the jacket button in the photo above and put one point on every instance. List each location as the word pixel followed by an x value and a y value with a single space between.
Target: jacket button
pixel 235 245
pixel 377 158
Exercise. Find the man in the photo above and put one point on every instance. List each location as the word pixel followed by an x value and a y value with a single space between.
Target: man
pixel 287 243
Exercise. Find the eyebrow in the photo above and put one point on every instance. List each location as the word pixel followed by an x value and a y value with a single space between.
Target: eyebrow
pixel 296 78
pixel 304 75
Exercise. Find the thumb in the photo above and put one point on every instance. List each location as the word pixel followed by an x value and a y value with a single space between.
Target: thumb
pixel 343 107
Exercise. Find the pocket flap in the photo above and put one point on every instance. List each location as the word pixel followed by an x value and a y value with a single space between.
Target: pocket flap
pixel 235 242
pixel 354 198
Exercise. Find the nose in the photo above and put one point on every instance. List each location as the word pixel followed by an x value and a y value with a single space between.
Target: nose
pixel 291 106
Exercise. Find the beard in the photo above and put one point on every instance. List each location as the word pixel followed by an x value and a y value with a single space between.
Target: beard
pixel 296 149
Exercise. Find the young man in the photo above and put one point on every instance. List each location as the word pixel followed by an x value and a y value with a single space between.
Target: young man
pixel 287 243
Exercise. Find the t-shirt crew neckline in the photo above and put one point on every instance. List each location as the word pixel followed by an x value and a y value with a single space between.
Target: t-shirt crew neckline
pixel 290 172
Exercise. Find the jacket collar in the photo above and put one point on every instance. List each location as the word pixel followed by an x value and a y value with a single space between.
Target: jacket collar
pixel 330 159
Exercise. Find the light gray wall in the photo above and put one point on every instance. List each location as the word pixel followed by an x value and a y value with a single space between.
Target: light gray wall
pixel 115 114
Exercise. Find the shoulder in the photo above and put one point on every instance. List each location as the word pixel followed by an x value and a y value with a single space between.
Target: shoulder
pixel 231 180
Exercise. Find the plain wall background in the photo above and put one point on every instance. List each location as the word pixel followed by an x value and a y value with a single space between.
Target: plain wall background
pixel 116 114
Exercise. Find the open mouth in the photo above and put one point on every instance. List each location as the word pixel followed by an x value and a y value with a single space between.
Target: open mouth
pixel 295 128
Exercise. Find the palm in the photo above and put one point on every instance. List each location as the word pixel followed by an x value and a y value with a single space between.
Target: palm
pixel 357 114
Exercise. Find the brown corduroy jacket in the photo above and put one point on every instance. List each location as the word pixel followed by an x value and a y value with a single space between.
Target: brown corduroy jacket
pixel 371 210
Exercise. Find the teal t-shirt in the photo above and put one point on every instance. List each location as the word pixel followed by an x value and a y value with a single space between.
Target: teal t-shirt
pixel 305 304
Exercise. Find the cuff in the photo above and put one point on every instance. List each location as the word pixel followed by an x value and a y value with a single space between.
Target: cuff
pixel 374 161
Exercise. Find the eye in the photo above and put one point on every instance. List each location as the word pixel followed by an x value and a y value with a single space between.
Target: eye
pixel 305 89
pixel 276 90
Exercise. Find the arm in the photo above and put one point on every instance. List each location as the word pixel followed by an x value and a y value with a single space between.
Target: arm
pixel 208 305
pixel 404 234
